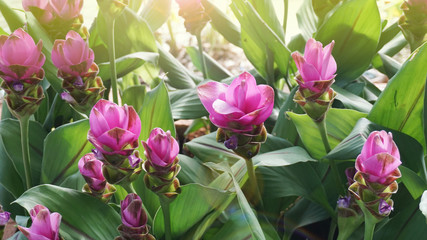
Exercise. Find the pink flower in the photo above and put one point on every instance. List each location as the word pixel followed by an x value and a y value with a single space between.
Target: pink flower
pixel 379 159
pixel 133 215
pixel 91 170
pixel 45 225
pixel 114 129
pixel 238 107
pixel 73 55
pixel 161 148
pixel 4 218
pixel 66 9
pixel 20 57
pixel 317 68
pixel 42 6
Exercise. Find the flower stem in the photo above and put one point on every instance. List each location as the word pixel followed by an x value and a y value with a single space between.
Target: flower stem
pixel 202 57
pixel 369 229
pixel 253 182
pixel 112 58
pixel 24 123
pixel 323 133
pixel 164 203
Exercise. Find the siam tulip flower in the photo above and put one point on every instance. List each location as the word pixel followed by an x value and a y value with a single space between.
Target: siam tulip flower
pixel 41 9
pixel 316 74
pixel 45 225
pixel 240 107
pixel 72 56
pixel 91 170
pixel 239 111
pixel 161 150
pixel 114 129
pixel 379 158
pixel 114 132
pixel 134 219
pixel 21 69
pixel 4 218
pixel 67 9
pixel 75 61
pixel 377 171
pixel 194 14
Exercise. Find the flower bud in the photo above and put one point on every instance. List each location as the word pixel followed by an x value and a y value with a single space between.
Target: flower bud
pixel 75 62
pixel 194 15
pixel 161 150
pixel 91 170
pixel 21 69
pixel 134 219
pixel 45 225
pixel 413 22
pixel 4 218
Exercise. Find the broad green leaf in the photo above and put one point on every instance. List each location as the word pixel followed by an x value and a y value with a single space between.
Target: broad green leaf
pixel 282 157
pixel 352 101
pixel 126 64
pixel 10 133
pixel 234 228
pixel 411 152
pixel 193 171
pixel 298 179
pixel 178 76
pixel 134 96
pixel 388 34
pixel 202 201
pixel 355 27
pixel 339 123
pixel 307 19
pixel 221 22
pixel 6 200
pixel 75 181
pixel 284 127
pixel 156 12
pixel 100 220
pixel 156 112
pixel 186 104
pixel 10 15
pixel 414 183
pixel 9 177
pixel 214 69
pixel 400 105
pixel 386 64
pixel 63 148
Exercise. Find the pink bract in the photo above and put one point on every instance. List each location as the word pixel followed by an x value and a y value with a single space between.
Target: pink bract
pixel 318 64
pixel 238 107
pixel 133 215
pixel 379 157
pixel 91 170
pixel 161 148
pixel 113 128
pixel 45 225
pixel 67 9
pixel 20 57
pixel 72 55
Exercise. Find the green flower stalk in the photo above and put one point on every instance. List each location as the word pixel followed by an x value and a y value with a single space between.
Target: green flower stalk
pixel 413 22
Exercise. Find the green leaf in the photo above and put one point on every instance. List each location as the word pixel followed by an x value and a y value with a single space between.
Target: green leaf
pixel 100 220
pixel 298 179
pixel 9 177
pixel 339 123
pixel 134 96
pixel 156 12
pixel 178 76
pixel 307 19
pixel 186 104
pixel 63 148
pixel 222 23
pixel 214 69
pixel 282 157
pixel 352 101
pixel 355 26
pixel 126 64
pixel 10 133
pixel 202 201
pixel 12 18
pixel 156 112
pixel 414 183
pixel 400 105
pixel 411 152
pixel 193 171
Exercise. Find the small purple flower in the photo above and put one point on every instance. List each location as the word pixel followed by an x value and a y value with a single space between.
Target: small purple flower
pixel 4 218
pixel 344 202
pixel 134 160
pixel 349 172
pixel 231 143
pixel 133 215
pixel 384 208
pixel 91 170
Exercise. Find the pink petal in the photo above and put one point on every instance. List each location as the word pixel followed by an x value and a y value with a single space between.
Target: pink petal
pixel 243 93
pixel 329 66
pixel 55 221
pixel 309 73
pixel 299 60
pixel 41 224
pixel 225 108
pixel 381 164
pixel 134 123
pixel 210 92
pixel 116 138
pixel 267 103
pixel 313 53
pixel 98 123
